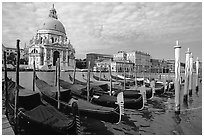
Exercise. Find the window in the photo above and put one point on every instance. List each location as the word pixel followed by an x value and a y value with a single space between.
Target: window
pixel 34 51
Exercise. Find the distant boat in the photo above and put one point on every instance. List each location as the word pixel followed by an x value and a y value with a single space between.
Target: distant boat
pixel 131 92
pixel 38 117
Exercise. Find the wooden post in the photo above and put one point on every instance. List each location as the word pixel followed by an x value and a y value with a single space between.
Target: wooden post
pixel 74 72
pixel 116 72
pixel 124 74
pixel 191 74
pixel 88 80
pixel 149 72
pixel 58 82
pixel 197 68
pixel 100 73
pixel 110 80
pixel 177 77
pixel 17 87
pixel 56 64
pixel 186 86
pixel 6 84
pixel 34 75
pixel 135 76
pixel 143 74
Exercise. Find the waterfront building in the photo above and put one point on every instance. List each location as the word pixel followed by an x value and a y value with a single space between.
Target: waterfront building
pixel 94 58
pixel 115 65
pixel 10 50
pixel 50 43
pixel 140 59
pixel 120 56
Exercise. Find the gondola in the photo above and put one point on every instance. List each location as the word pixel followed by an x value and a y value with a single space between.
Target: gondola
pixel 36 116
pixel 85 108
pixel 98 96
pixel 132 92
pixel 149 92
pixel 99 79
pixel 119 79
pixel 104 86
pixel 159 88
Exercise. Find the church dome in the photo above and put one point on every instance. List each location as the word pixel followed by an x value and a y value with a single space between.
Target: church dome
pixel 53 24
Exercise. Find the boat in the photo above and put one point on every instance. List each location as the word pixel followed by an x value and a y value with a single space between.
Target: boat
pixel 100 79
pixel 36 116
pixel 131 92
pixel 159 88
pixel 101 97
pixel 104 86
pixel 127 81
pixel 86 108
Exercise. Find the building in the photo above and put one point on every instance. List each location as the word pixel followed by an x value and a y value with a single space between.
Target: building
pixel 51 43
pixel 116 66
pixel 140 59
pixel 120 56
pixel 171 66
pixel 94 58
pixel 10 51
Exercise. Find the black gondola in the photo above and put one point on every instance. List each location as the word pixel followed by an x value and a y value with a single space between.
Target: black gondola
pixel 85 108
pixel 100 97
pixel 35 116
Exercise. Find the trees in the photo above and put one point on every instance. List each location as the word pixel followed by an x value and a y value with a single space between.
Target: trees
pixel 11 59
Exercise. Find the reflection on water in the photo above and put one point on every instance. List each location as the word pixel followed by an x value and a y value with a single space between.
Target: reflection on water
pixel 157 117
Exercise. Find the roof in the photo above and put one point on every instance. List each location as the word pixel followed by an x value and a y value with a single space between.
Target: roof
pixel 52 24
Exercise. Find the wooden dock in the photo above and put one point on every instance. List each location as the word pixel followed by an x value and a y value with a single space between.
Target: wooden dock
pixel 6 127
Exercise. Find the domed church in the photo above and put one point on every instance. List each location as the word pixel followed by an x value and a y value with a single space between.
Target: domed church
pixel 51 43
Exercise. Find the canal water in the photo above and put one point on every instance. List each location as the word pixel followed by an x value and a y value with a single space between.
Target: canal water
pixel 157 118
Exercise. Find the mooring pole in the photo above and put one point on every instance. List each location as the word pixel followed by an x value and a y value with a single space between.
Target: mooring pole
pixel 110 80
pixel 124 75
pixel 88 80
pixel 186 86
pixel 34 75
pixel 149 72
pixel 100 73
pixel 6 84
pixel 74 73
pixel 177 77
pixel 58 83
pixel 135 76
pixel 17 87
pixel 191 74
pixel 197 68
pixel 56 64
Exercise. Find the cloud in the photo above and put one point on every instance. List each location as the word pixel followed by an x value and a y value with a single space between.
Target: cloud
pixel 108 26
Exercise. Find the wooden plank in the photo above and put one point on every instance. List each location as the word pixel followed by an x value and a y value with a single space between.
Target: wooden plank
pixel 6 127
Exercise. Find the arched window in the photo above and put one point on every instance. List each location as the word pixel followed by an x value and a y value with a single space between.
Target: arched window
pixel 52 40
pixel 34 51
pixel 41 40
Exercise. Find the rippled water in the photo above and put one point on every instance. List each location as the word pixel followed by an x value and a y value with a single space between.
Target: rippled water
pixel 157 117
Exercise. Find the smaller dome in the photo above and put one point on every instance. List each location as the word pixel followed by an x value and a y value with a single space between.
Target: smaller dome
pixel 53 24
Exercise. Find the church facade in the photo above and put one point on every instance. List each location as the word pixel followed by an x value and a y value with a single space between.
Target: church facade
pixel 51 43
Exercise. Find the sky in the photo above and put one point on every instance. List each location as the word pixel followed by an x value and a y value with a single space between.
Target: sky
pixel 109 27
